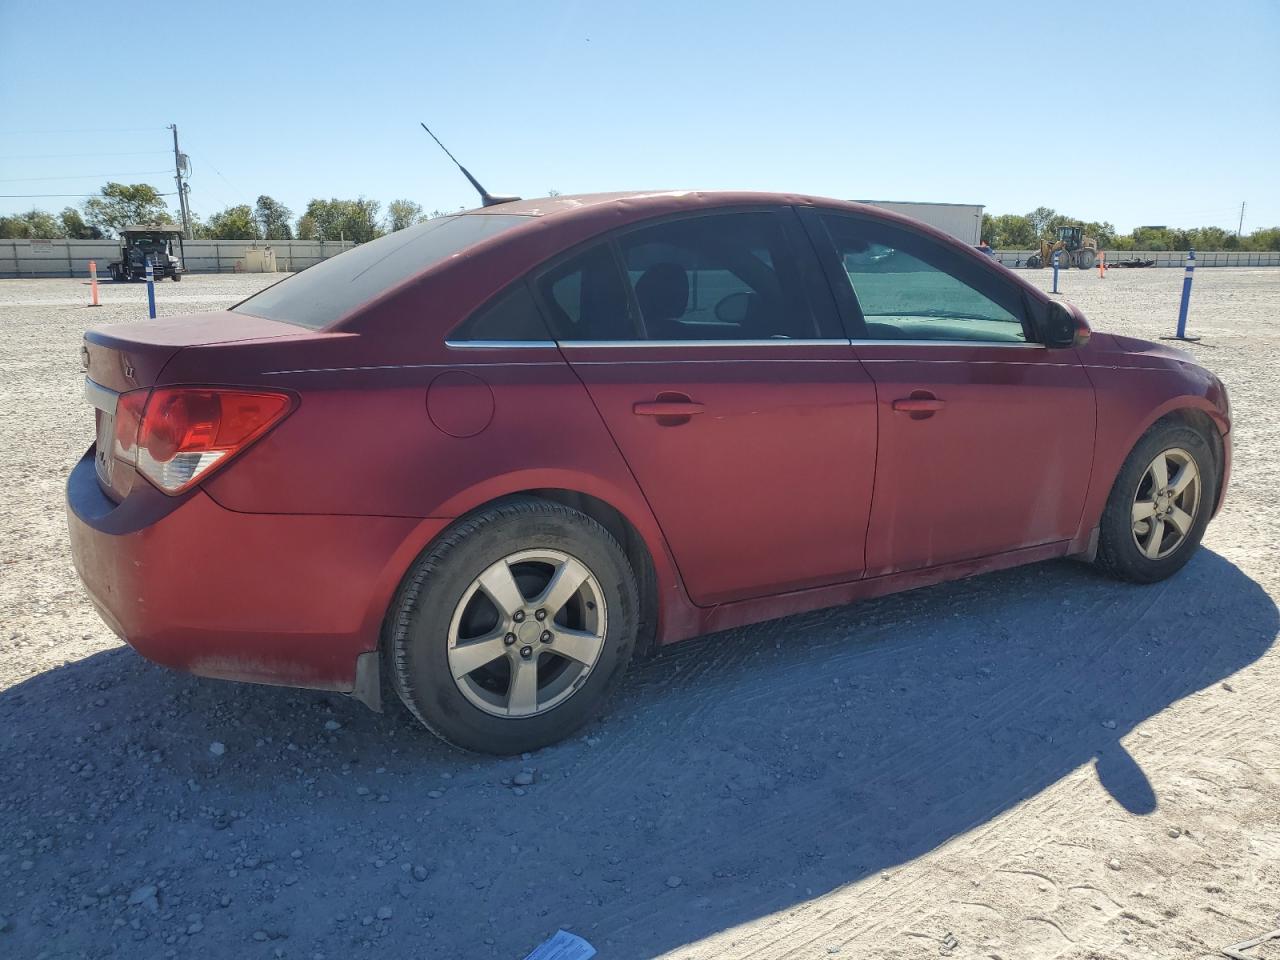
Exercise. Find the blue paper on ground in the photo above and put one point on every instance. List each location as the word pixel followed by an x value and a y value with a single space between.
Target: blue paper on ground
pixel 563 946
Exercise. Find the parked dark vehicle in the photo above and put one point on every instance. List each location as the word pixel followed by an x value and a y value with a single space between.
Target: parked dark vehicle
pixel 491 456
pixel 157 241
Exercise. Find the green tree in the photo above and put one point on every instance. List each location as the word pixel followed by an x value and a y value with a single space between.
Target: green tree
pixel 233 223
pixel 124 203
pixel 32 225
pixel 403 213
pixel 273 219
pixel 74 227
pixel 1011 231
pixel 1040 219
pixel 336 219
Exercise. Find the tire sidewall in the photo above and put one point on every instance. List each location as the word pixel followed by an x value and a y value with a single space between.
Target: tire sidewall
pixel 419 644
pixel 1118 550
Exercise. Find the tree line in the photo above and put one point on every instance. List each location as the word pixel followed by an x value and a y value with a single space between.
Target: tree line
pixel 120 204
pixel 1013 231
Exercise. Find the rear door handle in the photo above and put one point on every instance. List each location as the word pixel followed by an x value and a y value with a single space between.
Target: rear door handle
pixel 666 408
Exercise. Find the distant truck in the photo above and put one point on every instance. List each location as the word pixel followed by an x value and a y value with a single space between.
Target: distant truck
pixel 140 241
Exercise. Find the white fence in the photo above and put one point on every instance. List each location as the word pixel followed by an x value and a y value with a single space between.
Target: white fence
pixel 1166 258
pixel 70 258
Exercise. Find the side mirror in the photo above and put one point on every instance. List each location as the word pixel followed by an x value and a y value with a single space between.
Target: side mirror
pixel 1062 328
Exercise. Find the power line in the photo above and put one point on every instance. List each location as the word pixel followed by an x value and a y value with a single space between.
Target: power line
pixel 61 156
pixel 34 196
pixel 87 130
pixel 85 176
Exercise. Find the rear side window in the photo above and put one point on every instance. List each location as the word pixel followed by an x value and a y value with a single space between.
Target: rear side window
pixel 512 317
pixel 910 287
pixel 724 277
pixel 333 288
pixel 586 299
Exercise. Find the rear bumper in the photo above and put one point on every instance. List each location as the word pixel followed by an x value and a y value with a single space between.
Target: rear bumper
pixel 269 598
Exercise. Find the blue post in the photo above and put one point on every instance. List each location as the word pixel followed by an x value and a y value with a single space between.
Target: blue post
pixel 151 289
pixel 1056 254
pixel 1186 300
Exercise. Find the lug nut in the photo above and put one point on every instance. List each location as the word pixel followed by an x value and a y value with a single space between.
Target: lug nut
pixel 546 636
pixel 541 615
pixel 526 652
pixel 518 616
pixel 509 639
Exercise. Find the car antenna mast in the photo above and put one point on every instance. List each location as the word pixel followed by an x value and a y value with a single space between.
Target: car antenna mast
pixel 486 199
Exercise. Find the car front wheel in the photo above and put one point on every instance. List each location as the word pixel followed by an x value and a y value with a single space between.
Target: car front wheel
pixel 514 627
pixel 1160 504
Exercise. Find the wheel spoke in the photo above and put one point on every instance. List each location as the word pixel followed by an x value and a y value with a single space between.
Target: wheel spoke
pixel 522 696
pixel 1143 510
pixel 501 587
pixel 474 654
pixel 1183 478
pixel 564 584
pixel 1159 474
pixel 1152 547
pixel 580 645
pixel 1181 520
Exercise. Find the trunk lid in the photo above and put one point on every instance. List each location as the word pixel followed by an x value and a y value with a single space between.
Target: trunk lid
pixel 129 356
pixel 125 356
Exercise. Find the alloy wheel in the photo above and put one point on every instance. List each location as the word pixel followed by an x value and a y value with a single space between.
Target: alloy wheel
pixel 526 633
pixel 1166 503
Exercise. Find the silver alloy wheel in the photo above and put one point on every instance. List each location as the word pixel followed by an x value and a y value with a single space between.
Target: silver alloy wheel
pixel 1166 503
pixel 526 633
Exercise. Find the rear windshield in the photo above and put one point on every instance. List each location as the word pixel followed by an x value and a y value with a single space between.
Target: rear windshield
pixel 333 288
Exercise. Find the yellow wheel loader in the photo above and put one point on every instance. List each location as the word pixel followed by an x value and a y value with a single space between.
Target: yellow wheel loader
pixel 1073 247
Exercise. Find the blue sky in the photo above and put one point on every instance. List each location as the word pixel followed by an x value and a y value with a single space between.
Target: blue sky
pixel 1164 113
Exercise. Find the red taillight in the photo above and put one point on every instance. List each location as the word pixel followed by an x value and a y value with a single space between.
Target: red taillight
pixel 176 435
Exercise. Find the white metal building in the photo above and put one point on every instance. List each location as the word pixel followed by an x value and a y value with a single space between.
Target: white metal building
pixel 962 220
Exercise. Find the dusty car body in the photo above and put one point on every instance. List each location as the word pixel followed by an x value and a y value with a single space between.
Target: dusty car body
pixel 461 377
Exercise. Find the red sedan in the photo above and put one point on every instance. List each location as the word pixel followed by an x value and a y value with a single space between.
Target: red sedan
pixel 492 456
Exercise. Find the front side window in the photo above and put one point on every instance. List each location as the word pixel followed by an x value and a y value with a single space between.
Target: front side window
pixel 722 277
pixel 909 287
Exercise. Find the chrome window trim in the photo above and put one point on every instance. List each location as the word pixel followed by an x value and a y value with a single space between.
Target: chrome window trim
pixel 1003 344
pixel 104 398
pixel 499 344
pixel 595 344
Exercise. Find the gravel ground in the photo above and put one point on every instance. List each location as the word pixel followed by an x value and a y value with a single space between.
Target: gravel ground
pixel 1037 763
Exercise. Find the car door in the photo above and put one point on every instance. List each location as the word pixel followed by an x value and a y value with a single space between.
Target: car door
pixel 712 350
pixel 985 436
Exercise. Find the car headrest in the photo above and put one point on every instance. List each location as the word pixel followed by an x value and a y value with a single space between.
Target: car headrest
pixel 663 294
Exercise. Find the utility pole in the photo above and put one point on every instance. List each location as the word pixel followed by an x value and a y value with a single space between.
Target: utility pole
pixel 1240 228
pixel 181 168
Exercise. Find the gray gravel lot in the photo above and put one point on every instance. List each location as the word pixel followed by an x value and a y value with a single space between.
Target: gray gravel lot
pixel 1037 763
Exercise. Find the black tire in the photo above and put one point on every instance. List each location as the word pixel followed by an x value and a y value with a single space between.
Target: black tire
pixel 1034 262
pixel 175 277
pixel 417 641
pixel 1118 553
pixel 1086 259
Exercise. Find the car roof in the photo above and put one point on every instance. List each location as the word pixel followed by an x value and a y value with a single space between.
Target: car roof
pixel 638 204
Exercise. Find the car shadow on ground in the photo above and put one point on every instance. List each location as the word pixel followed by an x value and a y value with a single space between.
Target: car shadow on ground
pixel 733 777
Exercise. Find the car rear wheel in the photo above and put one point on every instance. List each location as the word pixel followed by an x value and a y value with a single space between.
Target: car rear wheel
pixel 512 630
pixel 1159 506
